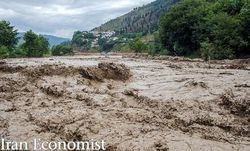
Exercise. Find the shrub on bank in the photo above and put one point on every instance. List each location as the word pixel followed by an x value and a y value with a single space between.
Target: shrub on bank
pixel 61 50
pixel 4 52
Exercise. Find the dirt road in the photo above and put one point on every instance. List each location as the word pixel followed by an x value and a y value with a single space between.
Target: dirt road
pixel 133 104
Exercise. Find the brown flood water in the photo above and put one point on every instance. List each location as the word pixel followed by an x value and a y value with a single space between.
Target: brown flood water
pixel 134 103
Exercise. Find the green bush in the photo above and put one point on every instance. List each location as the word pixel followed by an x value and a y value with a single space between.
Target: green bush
pixel 61 50
pixel 206 48
pixel 4 52
pixel 210 51
pixel 137 45
pixel 18 53
pixel 121 48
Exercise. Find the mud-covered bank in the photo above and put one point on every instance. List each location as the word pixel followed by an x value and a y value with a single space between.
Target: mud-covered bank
pixel 132 103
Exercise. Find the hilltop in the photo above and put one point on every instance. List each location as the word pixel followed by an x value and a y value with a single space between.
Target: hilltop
pixel 141 19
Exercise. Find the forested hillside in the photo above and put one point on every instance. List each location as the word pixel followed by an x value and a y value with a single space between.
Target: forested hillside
pixel 141 19
pixel 217 29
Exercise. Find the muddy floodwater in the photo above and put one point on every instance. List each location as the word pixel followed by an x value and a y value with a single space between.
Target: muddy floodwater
pixel 133 103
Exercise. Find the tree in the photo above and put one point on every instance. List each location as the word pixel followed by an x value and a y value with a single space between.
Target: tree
pixel 105 44
pixel 225 37
pixel 78 39
pixel 8 36
pixel 157 46
pixel 230 28
pixel 208 28
pixel 62 49
pixel 231 7
pixel 34 45
pixel 181 27
pixel 43 45
pixel 19 52
pixel 82 40
pixel 137 45
pixel 245 30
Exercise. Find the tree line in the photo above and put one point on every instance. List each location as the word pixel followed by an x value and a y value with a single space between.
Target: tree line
pixel 33 46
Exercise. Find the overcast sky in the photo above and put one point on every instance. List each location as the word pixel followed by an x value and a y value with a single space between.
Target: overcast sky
pixel 63 17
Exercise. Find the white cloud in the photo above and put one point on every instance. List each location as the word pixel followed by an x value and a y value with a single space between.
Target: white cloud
pixel 63 17
pixel 7 13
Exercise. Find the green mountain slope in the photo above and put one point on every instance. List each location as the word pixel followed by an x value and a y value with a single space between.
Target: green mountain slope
pixel 142 19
